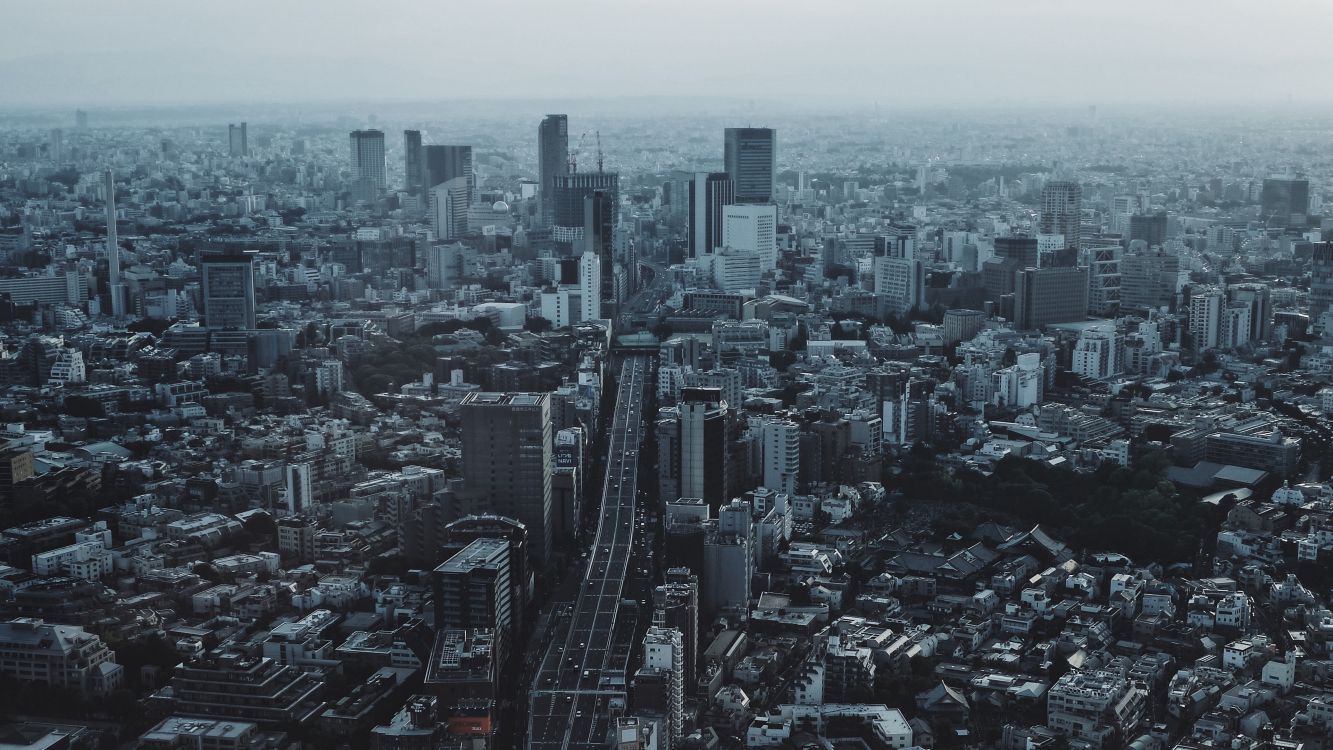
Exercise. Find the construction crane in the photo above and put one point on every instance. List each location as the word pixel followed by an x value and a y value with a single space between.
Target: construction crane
pixel 574 153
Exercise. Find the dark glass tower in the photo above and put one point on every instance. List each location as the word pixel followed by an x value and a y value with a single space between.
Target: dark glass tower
pixel 750 158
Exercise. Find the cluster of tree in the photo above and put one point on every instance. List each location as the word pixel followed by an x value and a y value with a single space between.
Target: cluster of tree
pixel 1136 511
pixel 393 364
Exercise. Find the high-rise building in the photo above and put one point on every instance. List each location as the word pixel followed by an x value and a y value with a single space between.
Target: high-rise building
pixel 902 282
pixel 570 193
pixel 676 606
pixel 781 455
pixel 704 454
pixel 300 490
pixel 664 668
pixel 552 161
pixel 1321 283
pixel 599 224
pixel 507 460
pixel 1043 296
pixel 56 146
pixel 80 119
pixel 1206 307
pixel 1285 201
pixel 238 141
pixel 710 193
pixel 1151 228
pixel 1148 280
pixel 752 229
pixel 1021 249
pixel 115 289
pixel 414 160
pixel 1062 211
pixel 228 286
pixel 444 163
pixel 1099 353
pixel 590 286
pixel 369 179
pixel 750 157
pixel 447 208
pixel 472 588
pixel 1104 280
pixel 1259 300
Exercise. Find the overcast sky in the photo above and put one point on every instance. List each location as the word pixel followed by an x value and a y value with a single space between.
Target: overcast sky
pixel 952 52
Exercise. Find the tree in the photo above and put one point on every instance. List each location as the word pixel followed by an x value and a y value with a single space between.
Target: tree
pixel 82 406
pixel 538 324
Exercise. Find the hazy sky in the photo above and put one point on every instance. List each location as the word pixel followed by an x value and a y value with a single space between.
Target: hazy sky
pixel 955 52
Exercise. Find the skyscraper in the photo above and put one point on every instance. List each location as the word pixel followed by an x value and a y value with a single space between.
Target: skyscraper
pixel 1021 249
pixel 1258 298
pixel 228 283
pixel 569 192
pixel 368 172
pixel 750 157
pixel 413 163
pixel 299 489
pixel 444 163
pixel 1043 296
pixel 508 460
pixel 447 208
pixel 1206 308
pixel 1285 201
pixel 115 289
pixel 704 468
pixel 599 221
pixel 1151 228
pixel 238 141
pixel 552 161
pixel 590 286
pixel 1062 211
pixel 472 589
pixel 752 229
pixel 1321 283
pixel 710 193
pixel 902 282
pixel 1148 280
pixel 56 146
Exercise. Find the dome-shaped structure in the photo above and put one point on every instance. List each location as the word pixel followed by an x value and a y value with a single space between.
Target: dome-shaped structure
pixel 500 207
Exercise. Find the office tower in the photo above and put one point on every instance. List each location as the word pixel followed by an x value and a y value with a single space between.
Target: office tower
pixel 1259 300
pixel 728 561
pixel 1151 228
pixel 300 491
pixel 676 606
pixel 1104 280
pixel 997 277
pixel 1234 329
pixel 473 590
pixel 115 289
pixel 445 163
pixel 413 163
pixel 1021 249
pixel 660 681
pixel 599 222
pixel 902 282
pixel 238 141
pixel 368 171
pixel 228 287
pixel 569 193
pixel 590 286
pixel 1321 284
pixel 552 161
pixel 1148 280
pixel 781 454
pixel 1206 307
pixel 507 460
pixel 1062 211
pixel 750 158
pixel 80 119
pixel 752 229
pixel 710 192
pixel 704 464
pixel 448 264
pixel 56 146
pixel 1121 209
pixel 447 208
pixel 1285 202
pixel 459 533
pixel 1043 296
pixel 667 431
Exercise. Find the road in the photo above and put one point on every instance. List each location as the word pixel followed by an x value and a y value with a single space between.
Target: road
pixel 583 681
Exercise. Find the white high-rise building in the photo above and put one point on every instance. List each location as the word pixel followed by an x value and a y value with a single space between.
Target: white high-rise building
pixel 299 489
pixel 448 205
pixel 736 270
pixel 590 286
pixel 752 228
pixel 781 455
pixel 1206 318
pixel 68 368
pixel 902 280
pixel 1099 353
